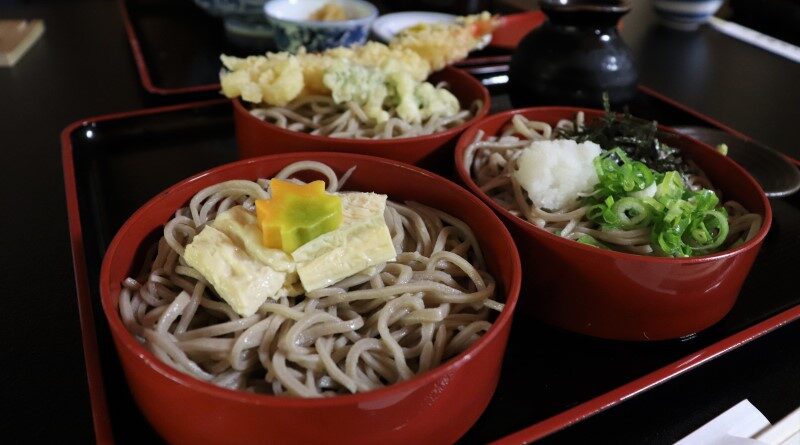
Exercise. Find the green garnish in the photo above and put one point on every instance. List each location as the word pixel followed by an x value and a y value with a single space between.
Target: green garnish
pixel 671 187
pixel 723 148
pixel 631 213
pixel 683 221
pixel 590 240
pixel 619 175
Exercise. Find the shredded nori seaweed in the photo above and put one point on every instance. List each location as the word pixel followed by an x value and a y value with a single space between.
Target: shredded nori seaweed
pixel 637 137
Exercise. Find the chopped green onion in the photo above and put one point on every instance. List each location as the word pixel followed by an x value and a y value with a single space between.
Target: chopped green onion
pixel 671 187
pixel 590 240
pixel 619 175
pixel 643 175
pixel 631 213
pixel 595 212
pixel 723 148
pixel 610 218
pixel 654 204
pixel 704 200
pixel 710 230
pixel 681 221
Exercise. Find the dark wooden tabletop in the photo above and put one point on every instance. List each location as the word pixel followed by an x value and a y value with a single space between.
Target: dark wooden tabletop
pixel 82 67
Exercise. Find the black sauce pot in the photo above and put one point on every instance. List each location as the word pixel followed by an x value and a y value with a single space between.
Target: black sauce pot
pixel 574 57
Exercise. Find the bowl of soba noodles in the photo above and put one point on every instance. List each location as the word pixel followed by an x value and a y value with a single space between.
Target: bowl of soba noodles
pixel 626 229
pixel 399 100
pixel 311 298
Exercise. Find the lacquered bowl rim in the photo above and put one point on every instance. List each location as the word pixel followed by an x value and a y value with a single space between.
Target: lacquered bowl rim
pixel 475 84
pixel 129 342
pixel 466 139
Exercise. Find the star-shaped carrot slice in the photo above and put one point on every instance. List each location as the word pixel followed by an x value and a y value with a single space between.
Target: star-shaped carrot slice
pixel 296 214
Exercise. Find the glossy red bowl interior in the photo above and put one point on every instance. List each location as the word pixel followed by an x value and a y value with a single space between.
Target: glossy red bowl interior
pixel 620 295
pixel 255 137
pixel 437 406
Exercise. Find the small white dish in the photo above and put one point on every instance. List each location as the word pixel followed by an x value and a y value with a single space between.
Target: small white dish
pixel 387 26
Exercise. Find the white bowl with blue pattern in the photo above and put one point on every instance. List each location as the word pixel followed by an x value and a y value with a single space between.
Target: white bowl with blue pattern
pixel 685 14
pixel 293 29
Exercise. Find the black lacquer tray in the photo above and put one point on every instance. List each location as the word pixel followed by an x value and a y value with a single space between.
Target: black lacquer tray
pixel 550 379
pixel 176 45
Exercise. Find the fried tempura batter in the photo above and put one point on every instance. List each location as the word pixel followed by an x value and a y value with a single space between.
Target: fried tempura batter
pixel 278 78
pixel 329 12
pixel 442 44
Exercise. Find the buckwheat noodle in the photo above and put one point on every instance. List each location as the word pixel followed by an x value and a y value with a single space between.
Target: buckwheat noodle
pixel 491 162
pixel 319 115
pixel 375 328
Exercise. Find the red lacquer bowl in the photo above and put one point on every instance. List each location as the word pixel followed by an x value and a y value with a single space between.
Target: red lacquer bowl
pixel 435 407
pixel 255 137
pixel 619 295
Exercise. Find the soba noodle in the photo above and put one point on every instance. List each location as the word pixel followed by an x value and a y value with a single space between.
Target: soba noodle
pixel 491 162
pixel 320 115
pixel 375 328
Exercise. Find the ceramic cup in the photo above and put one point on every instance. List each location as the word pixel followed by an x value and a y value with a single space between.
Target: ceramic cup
pixel 685 15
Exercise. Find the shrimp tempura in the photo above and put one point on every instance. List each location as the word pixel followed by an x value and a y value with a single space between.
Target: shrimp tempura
pixel 443 44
